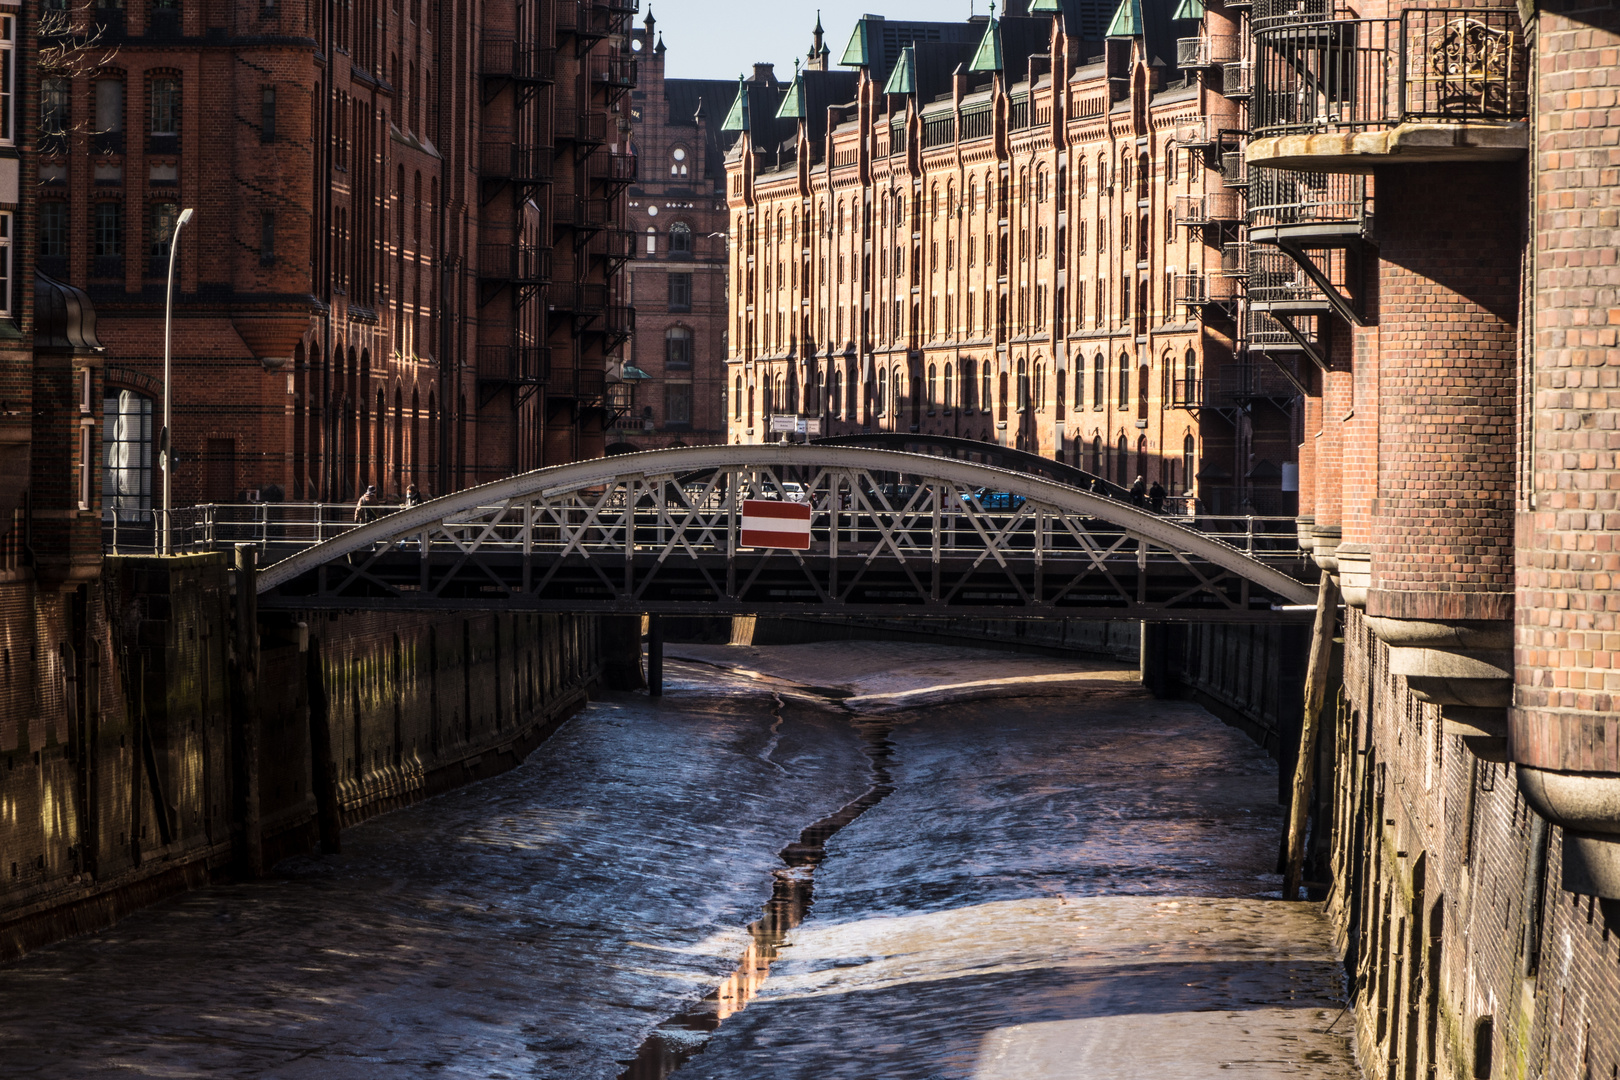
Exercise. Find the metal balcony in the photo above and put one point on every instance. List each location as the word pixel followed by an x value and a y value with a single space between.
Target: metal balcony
pixel 587 386
pixel 614 167
pixel 1281 12
pixel 1206 52
pixel 1234 169
pixel 504 57
pixel 1237 80
pixel 582 299
pixel 584 126
pixel 523 368
pixel 1199 133
pixel 1323 75
pixel 614 71
pixel 1279 286
pixel 580 214
pixel 516 162
pixel 1247 381
pixel 516 263
pixel 1202 292
pixel 1235 258
pixel 1186 393
pixel 1286 204
pixel 1212 208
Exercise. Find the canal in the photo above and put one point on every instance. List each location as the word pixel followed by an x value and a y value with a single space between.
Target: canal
pixel 836 860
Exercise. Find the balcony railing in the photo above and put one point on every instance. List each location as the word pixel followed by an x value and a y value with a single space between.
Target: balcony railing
pixel 1237 80
pixel 578 297
pixel 614 167
pixel 1277 284
pixel 582 126
pixel 1346 75
pixel 585 384
pixel 1246 380
pixel 616 71
pixel 578 212
pixel 1186 393
pixel 620 320
pixel 1235 258
pixel 505 57
pixel 509 161
pixel 1208 208
pixel 1205 52
pixel 1268 13
pixel 522 364
pixel 1265 334
pixel 1198 290
pixel 1198 133
pixel 519 263
pixel 1234 169
pixel 1313 201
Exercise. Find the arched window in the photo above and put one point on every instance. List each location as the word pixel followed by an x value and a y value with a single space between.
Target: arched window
pixel 680 238
pixel 769 401
pixel 678 349
pixel 1003 415
pixel 1144 171
pixel 1188 448
pixel 1023 386
pixel 883 392
pixel 933 388
pixel 1095 465
pixel 736 402
pixel 126 454
pixel 970 376
pixel 1141 455
pixel 1190 367
pixel 1062 397
pixel 1099 383
pixel 948 401
pixel 1122 461
pixel 984 386
pixel 1124 381
pixel 1142 392
pixel 835 400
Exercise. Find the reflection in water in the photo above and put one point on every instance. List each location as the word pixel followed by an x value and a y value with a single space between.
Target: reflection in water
pixel 680 1037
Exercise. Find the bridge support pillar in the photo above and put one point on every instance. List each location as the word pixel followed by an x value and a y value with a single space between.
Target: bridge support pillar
pixel 248 830
pixel 1154 659
pixel 655 656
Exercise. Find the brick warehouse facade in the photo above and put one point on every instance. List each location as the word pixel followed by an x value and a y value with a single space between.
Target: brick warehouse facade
pixel 404 268
pixel 677 214
pixel 408 273
pixel 1438 218
pixel 1007 231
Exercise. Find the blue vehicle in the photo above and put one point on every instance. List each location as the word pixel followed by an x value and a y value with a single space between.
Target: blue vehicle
pixel 997 500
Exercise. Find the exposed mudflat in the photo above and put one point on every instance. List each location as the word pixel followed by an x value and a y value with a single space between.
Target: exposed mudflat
pixel 996 866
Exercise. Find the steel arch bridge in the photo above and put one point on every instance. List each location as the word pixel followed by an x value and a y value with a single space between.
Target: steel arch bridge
pixel 892 533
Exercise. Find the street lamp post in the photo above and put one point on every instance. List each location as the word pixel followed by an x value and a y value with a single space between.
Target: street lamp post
pixel 166 455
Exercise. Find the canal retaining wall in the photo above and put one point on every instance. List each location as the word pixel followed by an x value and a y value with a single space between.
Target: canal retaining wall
pixel 146 746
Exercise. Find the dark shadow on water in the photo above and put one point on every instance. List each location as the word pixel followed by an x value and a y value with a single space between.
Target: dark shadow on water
pixel 679 1038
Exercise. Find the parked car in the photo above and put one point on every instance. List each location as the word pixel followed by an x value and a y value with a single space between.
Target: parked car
pixel 996 500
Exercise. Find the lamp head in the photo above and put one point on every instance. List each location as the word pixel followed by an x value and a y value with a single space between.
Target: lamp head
pixel 184 218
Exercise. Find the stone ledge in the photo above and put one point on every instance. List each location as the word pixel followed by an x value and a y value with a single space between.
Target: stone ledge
pixel 1416 143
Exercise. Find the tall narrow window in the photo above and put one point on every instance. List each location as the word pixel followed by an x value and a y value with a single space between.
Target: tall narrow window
pixel 109 106
pixel 680 292
pixel 54 108
pixel 1124 381
pixel 680 239
pixel 53 229
pixel 126 453
pixel 8 80
pixel 5 265
pixel 678 349
pixel 267 238
pixel 677 404
pixel 108 239
pixel 159 235
pixel 165 106
pixel 267 115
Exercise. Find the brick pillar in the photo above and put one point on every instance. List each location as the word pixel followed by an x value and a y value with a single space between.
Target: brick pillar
pixel 1563 729
pixel 1448 293
pixel 1335 403
pixel 1306 522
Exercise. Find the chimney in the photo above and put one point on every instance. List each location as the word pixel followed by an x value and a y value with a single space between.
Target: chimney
pixel 765 73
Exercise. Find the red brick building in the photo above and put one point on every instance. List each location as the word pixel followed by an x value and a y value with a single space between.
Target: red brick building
pixel 1027 230
pixel 405 265
pixel 677 213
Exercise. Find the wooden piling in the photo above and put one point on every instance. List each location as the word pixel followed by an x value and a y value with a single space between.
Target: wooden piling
pixel 1316 680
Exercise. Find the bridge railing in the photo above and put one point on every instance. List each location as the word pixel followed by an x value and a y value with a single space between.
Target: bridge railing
pixel 898 515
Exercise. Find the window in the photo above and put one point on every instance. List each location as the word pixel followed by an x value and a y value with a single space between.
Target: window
pixel 109 231
pixel 5 264
pixel 680 239
pixel 883 391
pixel 1124 381
pixel 1188 446
pixel 652 240
pixel 54 110
pixel 165 106
pixel 267 115
pixel 933 386
pixel 53 229
pixel 677 404
pixel 267 238
pixel 1099 382
pixel 1023 386
pixel 736 400
pixel 8 79
pixel 678 349
pixel 159 234
pixel 126 454
pixel 109 106
pixel 680 292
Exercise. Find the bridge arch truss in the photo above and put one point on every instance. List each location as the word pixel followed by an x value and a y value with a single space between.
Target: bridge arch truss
pixel 892 533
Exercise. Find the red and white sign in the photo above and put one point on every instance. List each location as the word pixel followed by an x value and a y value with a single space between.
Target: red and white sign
pixel 768 523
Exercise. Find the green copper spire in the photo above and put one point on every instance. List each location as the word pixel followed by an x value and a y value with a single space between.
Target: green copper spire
pixel 988 55
pixel 903 79
pixel 737 118
pixel 793 103
pixel 1127 20
pixel 858 53
pixel 1046 7
pixel 1190 10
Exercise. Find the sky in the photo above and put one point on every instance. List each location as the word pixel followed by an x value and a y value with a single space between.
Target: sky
pixel 721 39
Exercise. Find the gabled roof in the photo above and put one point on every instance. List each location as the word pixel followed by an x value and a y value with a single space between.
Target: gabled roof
pixel 737 118
pixel 903 79
pixel 793 107
pixel 858 53
pixel 1045 7
pixel 1189 10
pixel 1127 21
pixel 988 55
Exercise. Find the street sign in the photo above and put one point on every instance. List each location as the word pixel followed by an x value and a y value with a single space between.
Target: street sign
pixel 788 424
pixel 768 523
pixel 810 425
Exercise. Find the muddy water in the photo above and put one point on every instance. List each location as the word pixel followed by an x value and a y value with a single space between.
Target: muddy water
pixel 939 863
